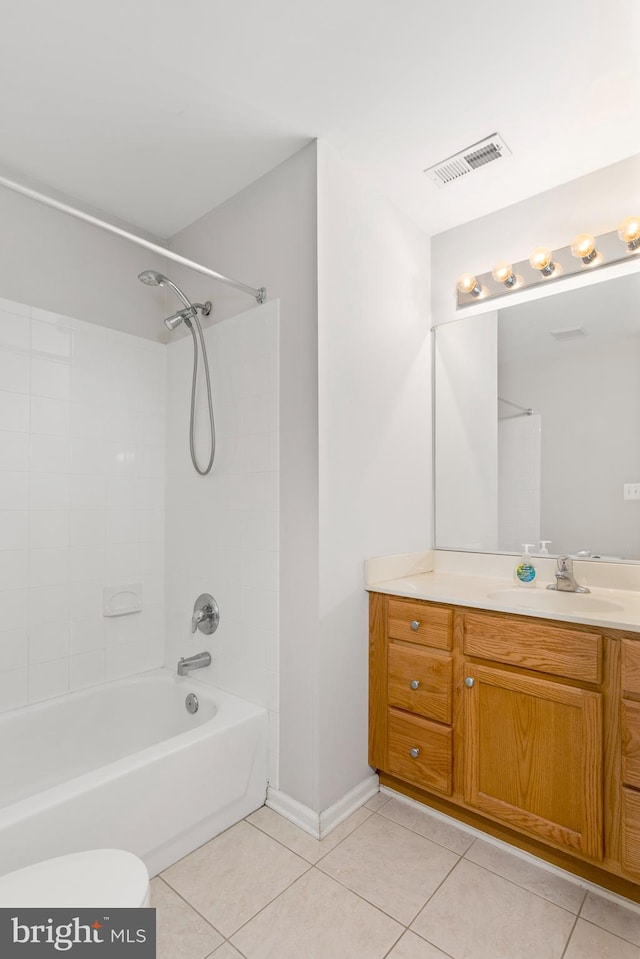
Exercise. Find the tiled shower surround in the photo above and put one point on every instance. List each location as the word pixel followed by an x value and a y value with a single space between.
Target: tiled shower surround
pixel 94 434
pixel 222 529
pixel 82 463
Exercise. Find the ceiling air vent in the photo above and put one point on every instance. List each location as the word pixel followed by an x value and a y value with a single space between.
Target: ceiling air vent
pixel 467 161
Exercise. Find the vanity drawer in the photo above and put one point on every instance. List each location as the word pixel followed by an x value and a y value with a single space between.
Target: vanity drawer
pixel 432 671
pixel 631 743
pixel 419 623
pixel 431 767
pixel 631 667
pixel 631 831
pixel 570 653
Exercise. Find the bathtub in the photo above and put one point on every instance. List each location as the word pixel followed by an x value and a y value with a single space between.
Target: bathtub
pixel 126 765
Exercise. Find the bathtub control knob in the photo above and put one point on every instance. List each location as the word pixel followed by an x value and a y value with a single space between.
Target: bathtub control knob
pixel 206 614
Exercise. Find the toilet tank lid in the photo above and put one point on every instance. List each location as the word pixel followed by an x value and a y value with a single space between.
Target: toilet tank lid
pixel 111 878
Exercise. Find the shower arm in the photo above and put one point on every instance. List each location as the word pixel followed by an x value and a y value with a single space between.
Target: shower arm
pixel 259 293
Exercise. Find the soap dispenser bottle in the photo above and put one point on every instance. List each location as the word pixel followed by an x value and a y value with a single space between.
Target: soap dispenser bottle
pixel 525 570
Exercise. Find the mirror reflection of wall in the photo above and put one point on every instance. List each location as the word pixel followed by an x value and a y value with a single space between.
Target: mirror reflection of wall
pixel 574 360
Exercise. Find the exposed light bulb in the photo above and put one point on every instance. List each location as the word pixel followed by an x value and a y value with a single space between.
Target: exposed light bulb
pixel 629 231
pixel 467 283
pixel 584 247
pixel 542 259
pixel 503 273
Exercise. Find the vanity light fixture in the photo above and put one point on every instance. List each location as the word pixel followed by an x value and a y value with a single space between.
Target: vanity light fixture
pixel 629 232
pixel 584 247
pixel 467 283
pixel 503 273
pixel 542 259
pixel 547 266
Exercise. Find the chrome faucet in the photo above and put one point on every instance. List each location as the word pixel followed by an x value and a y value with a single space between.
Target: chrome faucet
pixel 199 661
pixel 565 580
pixel 206 614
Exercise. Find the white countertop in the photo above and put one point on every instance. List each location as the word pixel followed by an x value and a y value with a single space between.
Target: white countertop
pixel 465 588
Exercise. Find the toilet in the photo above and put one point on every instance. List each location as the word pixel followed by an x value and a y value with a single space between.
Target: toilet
pixel 110 878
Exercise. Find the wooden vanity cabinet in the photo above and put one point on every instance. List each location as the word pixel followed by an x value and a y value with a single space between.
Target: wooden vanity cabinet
pixel 517 724
pixel 533 756
pixel 411 685
pixel 630 749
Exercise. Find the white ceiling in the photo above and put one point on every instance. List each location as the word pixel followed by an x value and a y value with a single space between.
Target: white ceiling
pixel 155 111
pixel 606 311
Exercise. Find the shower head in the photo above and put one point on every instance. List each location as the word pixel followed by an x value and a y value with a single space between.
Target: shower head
pixel 151 278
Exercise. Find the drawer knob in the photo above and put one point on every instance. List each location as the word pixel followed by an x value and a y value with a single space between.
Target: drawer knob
pixel 414 683
pixel 414 753
pixel 469 681
pixel 415 625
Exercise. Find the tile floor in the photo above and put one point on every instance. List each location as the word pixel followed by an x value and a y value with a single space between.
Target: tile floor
pixel 391 881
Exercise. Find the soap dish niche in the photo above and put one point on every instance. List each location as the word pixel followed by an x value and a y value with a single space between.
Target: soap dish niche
pixel 122 600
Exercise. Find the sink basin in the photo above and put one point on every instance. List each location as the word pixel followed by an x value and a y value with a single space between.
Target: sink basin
pixel 553 601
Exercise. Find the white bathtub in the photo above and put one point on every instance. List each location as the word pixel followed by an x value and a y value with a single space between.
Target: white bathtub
pixel 125 765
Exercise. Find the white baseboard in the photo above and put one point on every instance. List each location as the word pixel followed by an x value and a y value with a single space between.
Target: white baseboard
pixel 341 810
pixel 321 824
pixel 296 812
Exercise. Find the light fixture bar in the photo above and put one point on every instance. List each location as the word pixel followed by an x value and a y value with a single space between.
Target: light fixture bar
pixel 585 254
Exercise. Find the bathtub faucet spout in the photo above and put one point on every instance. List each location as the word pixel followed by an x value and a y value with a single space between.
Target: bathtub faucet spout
pixel 199 661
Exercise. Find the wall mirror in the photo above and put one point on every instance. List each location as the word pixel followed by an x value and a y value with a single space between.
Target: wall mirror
pixel 537 425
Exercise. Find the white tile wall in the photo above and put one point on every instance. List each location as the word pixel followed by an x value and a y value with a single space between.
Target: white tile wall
pixel 222 530
pixel 82 456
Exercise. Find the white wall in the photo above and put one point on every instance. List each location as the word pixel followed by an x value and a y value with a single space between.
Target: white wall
pixel 589 401
pixel 594 204
pixel 374 437
pixel 222 529
pixel 354 411
pixel 466 433
pixel 266 236
pixel 81 501
pixel 57 263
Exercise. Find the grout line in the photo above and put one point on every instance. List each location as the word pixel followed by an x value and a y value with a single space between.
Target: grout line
pixel 190 905
pixel 271 901
pixel 308 836
pixel 430 943
pixel 348 835
pixel 521 885
pixel 518 886
pixel 373 905
pixel 609 931
pixel 566 945
pixel 437 842
pixel 584 899
pixel 514 851
pixel 281 842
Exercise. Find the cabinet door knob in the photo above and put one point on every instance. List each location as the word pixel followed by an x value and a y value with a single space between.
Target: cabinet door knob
pixel 415 625
pixel 414 753
pixel 469 681
pixel 414 683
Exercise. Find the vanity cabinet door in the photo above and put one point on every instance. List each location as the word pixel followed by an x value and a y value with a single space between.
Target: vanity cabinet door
pixel 533 756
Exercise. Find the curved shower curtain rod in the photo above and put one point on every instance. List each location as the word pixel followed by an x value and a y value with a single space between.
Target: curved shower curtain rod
pixel 259 293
